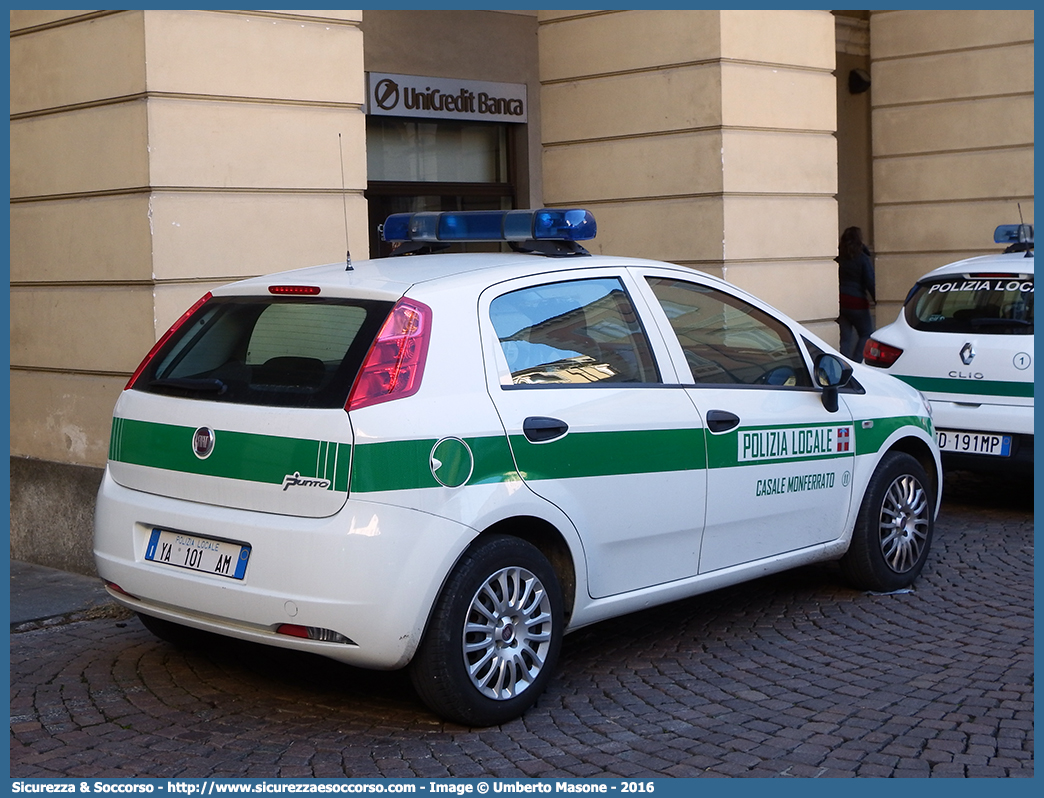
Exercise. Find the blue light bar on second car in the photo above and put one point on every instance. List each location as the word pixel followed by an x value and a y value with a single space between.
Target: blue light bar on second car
pixel 545 224
pixel 1013 234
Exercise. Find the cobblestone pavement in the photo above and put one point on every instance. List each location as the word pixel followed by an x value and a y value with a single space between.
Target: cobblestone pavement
pixel 792 675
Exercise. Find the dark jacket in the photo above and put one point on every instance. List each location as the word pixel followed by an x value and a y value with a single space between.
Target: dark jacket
pixel 855 278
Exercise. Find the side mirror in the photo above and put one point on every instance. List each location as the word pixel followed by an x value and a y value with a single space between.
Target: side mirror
pixel 831 373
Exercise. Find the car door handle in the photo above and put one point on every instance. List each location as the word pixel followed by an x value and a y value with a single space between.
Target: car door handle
pixel 721 420
pixel 540 429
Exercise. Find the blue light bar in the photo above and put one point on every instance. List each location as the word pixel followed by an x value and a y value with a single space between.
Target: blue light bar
pixel 1013 234
pixel 545 224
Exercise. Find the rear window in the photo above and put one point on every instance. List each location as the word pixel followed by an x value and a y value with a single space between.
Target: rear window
pixel 284 352
pixel 987 303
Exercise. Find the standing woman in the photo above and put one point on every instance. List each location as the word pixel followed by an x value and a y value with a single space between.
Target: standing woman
pixel 855 273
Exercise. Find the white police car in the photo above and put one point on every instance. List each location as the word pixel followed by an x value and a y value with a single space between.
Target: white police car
pixel 448 461
pixel 965 338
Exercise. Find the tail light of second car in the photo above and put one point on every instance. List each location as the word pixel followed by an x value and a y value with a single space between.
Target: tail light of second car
pixel 879 354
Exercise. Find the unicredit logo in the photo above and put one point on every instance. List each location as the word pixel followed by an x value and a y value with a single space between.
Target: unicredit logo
pixel 445 98
pixel 386 94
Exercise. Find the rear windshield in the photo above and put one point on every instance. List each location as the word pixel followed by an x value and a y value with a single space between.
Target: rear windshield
pixel 987 303
pixel 285 352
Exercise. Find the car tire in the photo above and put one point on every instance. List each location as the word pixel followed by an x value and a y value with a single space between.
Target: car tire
pixel 174 633
pixel 494 637
pixel 893 531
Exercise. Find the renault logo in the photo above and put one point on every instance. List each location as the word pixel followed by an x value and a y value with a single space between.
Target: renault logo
pixel 967 354
pixel 203 442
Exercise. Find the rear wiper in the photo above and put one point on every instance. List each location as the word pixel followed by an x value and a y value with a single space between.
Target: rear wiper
pixel 208 385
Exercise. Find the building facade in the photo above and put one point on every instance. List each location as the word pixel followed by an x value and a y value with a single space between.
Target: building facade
pixel 156 154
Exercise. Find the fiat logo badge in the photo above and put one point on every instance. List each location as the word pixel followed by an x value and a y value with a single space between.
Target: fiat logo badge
pixel 203 442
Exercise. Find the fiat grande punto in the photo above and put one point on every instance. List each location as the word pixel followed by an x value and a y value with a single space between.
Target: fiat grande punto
pixel 448 461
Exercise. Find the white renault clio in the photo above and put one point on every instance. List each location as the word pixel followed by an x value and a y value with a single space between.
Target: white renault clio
pixel 965 338
pixel 447 461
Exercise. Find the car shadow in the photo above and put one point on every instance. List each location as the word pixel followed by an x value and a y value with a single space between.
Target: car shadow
pixel 1000 490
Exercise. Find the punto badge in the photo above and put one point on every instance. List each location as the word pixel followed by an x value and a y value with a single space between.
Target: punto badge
pixel 203 442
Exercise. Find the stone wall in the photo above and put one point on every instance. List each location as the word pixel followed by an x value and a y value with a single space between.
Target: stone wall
pixel 52 513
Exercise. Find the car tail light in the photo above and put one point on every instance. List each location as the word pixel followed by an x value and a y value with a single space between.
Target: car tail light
pixel 294 290
pixel 881 355
pixel 395 364
pixel 166 336
pixel 313 633
pixel 117 589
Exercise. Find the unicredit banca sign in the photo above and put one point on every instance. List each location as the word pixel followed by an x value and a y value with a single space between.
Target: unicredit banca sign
pixel 445 98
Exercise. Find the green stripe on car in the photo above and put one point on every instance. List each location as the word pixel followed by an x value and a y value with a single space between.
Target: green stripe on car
pixel 237 455
pixel 971 387
pixel 782 443
pixel 406 465
pixel 864 436
pixel 596 454
pixel 871 434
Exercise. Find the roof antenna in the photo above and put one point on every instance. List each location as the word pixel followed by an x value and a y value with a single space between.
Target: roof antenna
pixel 344 203
pixel 1022 229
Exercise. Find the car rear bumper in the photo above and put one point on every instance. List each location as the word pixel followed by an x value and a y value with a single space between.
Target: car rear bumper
pixel 983 417
pixel 1019 458
pixel 1013 420
pixel 369 573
